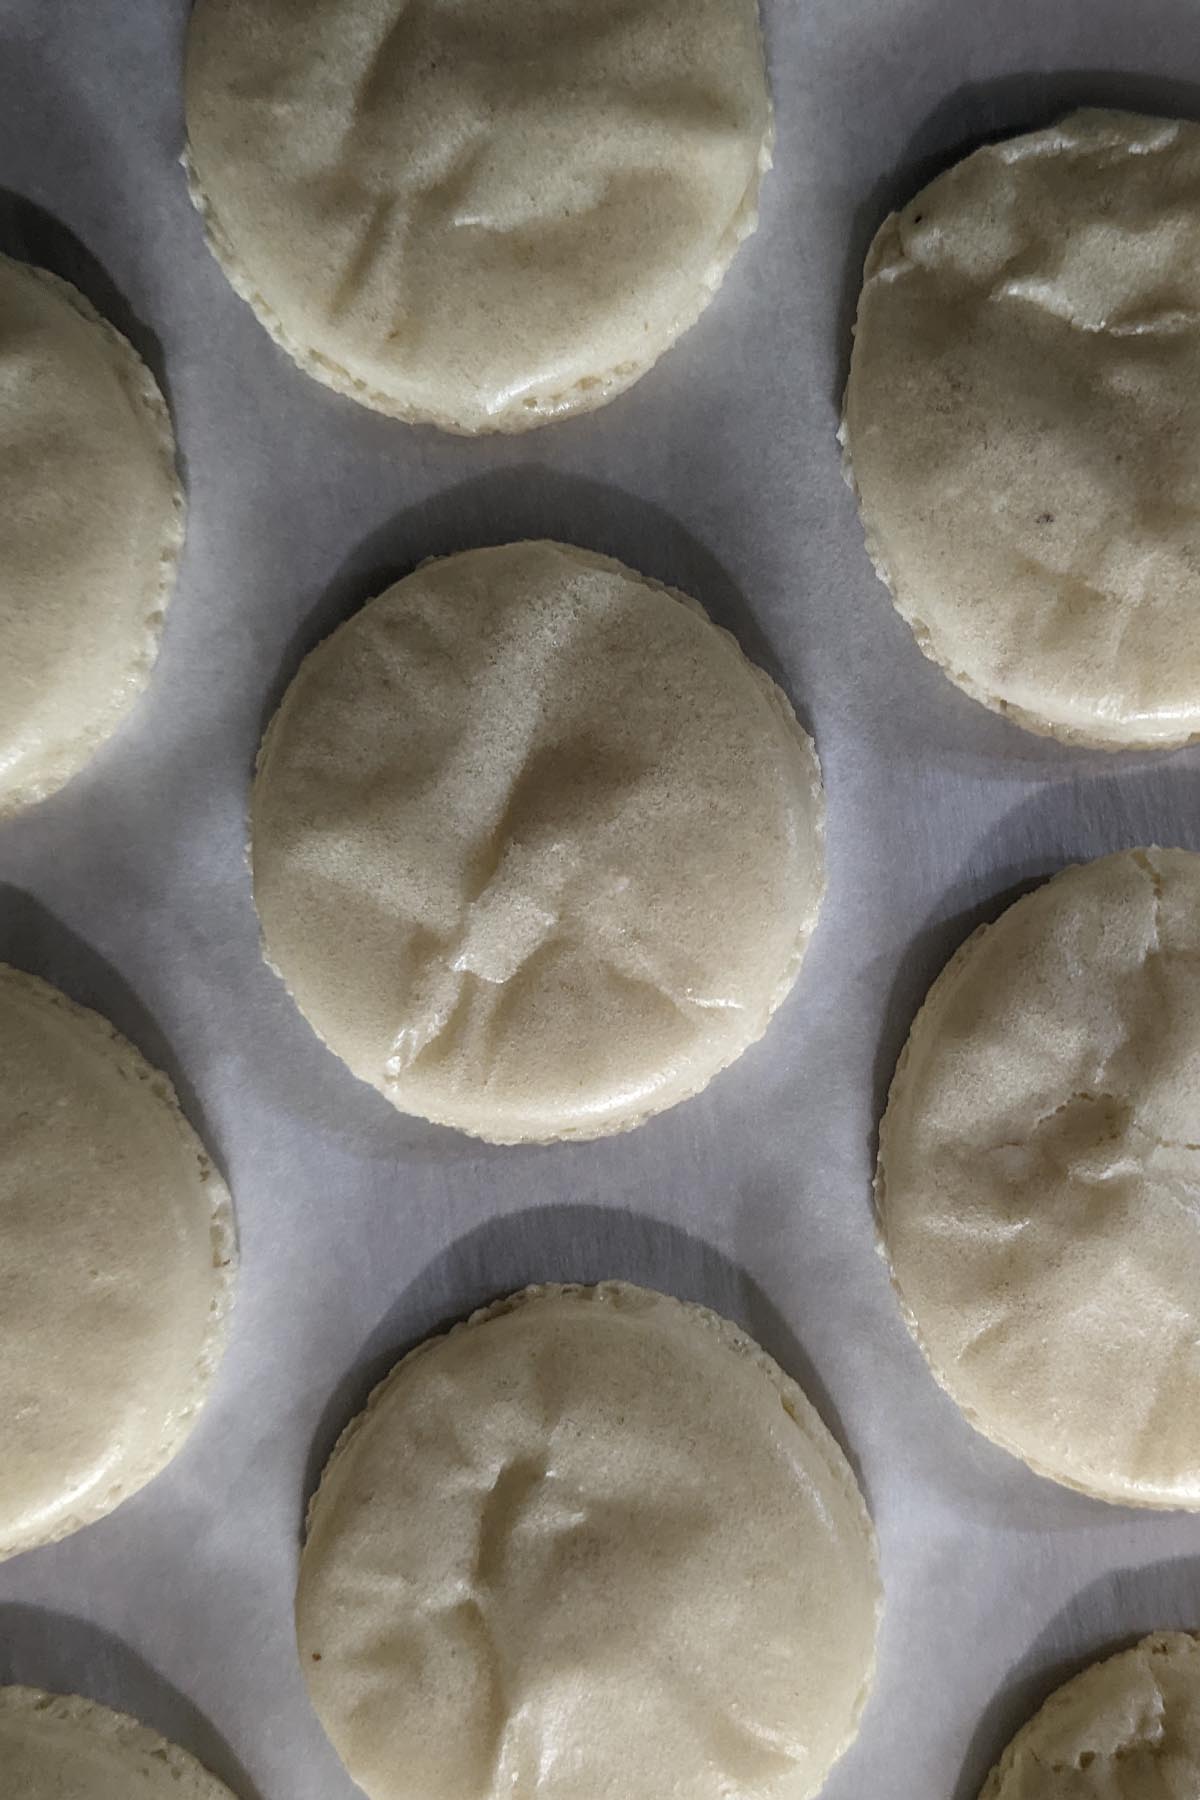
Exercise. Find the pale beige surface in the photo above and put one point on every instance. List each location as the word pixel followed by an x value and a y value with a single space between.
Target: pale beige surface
pixel 91 521
pixel 1039 1178
pixel 116 1253
pixel 483 218
pixel 1023 426
pixel 62 1747
pixel 1126 1729
pixel 592 1543
pixel 536 850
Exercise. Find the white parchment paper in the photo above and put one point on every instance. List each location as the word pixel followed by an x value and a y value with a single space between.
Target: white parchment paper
pixel 361 1230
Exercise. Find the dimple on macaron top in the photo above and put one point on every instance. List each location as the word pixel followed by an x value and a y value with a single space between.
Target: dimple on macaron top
pixel 536 849
pixel 484 218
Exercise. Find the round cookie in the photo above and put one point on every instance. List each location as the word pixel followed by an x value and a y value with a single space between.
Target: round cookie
pixel 1022 426
pixel 91 522
pixel 61 1747
pixel 477 220
pixel 1126 1729
pixel 1039 1178
pixel 592 1542
pixel 116 1246
pixel 536 850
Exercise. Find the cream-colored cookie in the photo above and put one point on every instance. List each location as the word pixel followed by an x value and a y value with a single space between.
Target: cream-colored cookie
pixel 91 521
pixel 592 1542
pixel 1126 1729
pixel 1039 1178
pixel 536 850
pixel 61 1747
pixel 484 218
pixel 1023 426
pixel 116 1251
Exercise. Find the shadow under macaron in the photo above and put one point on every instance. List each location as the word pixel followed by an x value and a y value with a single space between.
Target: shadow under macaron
pixel 1109 1615
pixel 562 1243
pixel 65 1655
